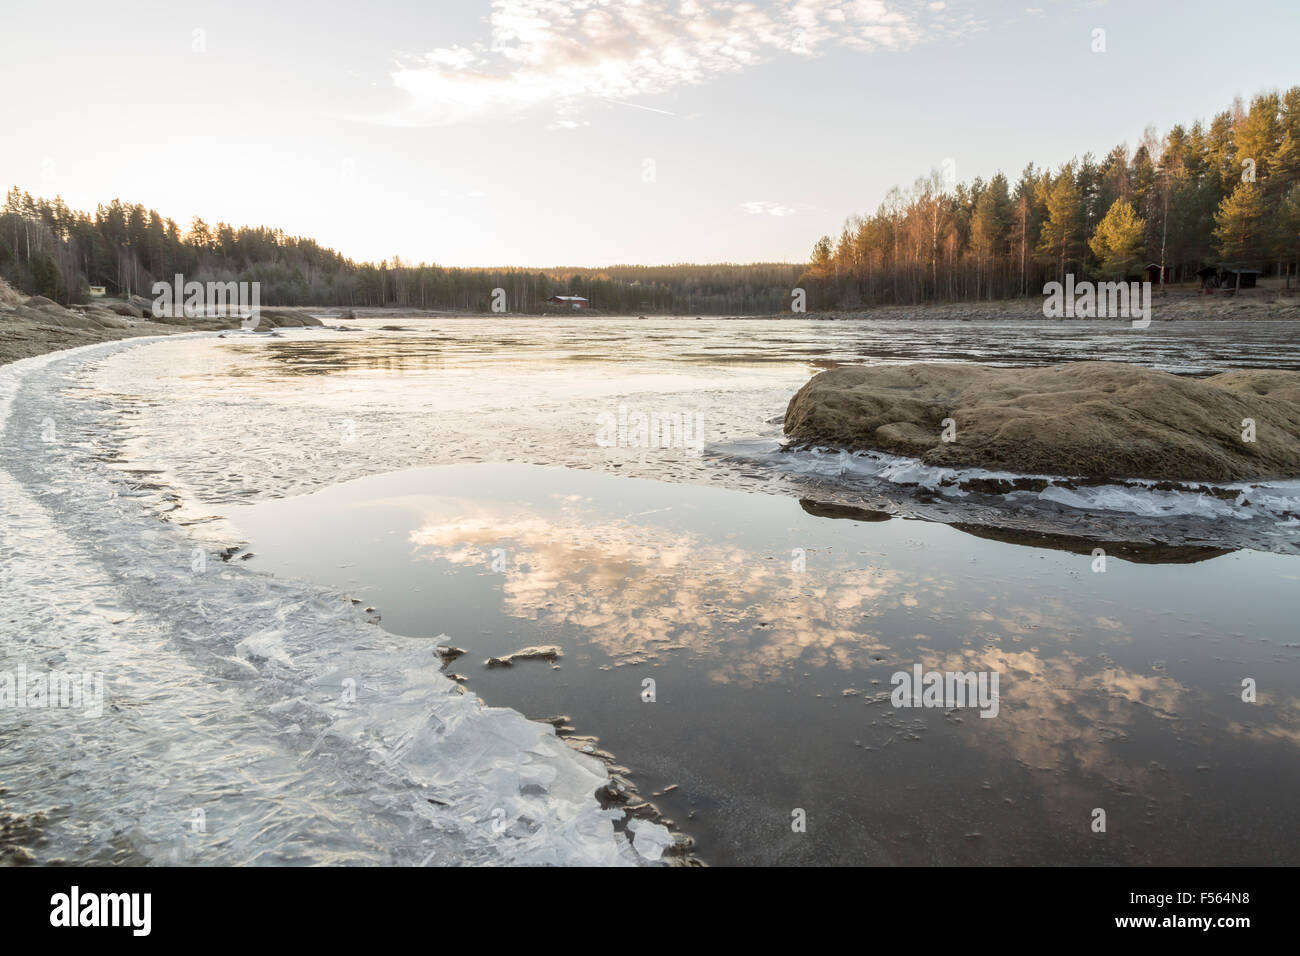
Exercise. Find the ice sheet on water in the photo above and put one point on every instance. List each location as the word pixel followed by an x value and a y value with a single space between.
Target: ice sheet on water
pixel 1147 501
pixel 245 720
pixel 650 839
pixel 1269 505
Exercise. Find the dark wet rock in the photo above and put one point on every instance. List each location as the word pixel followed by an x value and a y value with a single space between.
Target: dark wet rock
pixel 1223 494
pixel 542 652
pixel 282 318
pixel 1002 486
pixel 447 653
pixel 610 795
pixel 829 509
pixel 563 725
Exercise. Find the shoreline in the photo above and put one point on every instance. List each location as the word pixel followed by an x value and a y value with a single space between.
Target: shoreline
pixel 274 684
pixel 1262 304
pixel 27 331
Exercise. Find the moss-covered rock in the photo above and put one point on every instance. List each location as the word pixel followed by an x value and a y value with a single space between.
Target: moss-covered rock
pixel 1093 419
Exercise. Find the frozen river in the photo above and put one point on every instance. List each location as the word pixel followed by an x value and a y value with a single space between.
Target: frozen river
pixel 479 482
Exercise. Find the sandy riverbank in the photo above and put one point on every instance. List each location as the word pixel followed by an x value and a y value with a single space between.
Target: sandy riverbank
pixel 33 325
pixel 1270 301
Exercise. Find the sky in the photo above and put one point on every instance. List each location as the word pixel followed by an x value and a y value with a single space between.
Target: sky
pixel 592 132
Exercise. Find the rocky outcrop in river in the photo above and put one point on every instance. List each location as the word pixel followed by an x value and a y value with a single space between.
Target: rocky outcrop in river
pixel 1103 420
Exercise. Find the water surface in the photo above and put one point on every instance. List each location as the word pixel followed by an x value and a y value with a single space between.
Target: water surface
pixel 771 632
pixel 452 477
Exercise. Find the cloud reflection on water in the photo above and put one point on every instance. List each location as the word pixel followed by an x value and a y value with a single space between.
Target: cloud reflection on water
pixel 637 592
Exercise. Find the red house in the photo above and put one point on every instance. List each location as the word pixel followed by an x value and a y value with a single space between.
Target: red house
pixel 575 302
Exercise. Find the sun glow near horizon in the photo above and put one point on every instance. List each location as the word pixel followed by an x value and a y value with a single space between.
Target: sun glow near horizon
pixel 535 132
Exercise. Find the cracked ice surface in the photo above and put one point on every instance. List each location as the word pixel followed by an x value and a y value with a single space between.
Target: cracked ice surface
pixel 227 734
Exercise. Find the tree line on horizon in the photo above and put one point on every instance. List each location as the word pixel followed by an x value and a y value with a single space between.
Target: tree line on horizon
pixel 1222 194
pixel 48 249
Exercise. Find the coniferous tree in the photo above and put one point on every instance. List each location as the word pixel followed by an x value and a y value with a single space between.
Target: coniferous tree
pixel 1060 232
pixel 1118 240
pixel 1239 226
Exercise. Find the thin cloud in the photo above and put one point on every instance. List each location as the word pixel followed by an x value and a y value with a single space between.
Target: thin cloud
pixel 765 207
pixel 638 106
pixel 563 53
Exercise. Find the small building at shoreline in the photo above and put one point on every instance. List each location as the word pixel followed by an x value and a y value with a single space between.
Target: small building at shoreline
pixel 575 302
pixel 1157 274
pixel 1233 278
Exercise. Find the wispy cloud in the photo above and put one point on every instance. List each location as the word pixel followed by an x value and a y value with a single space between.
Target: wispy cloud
pixel 562 53
pixel 765 207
